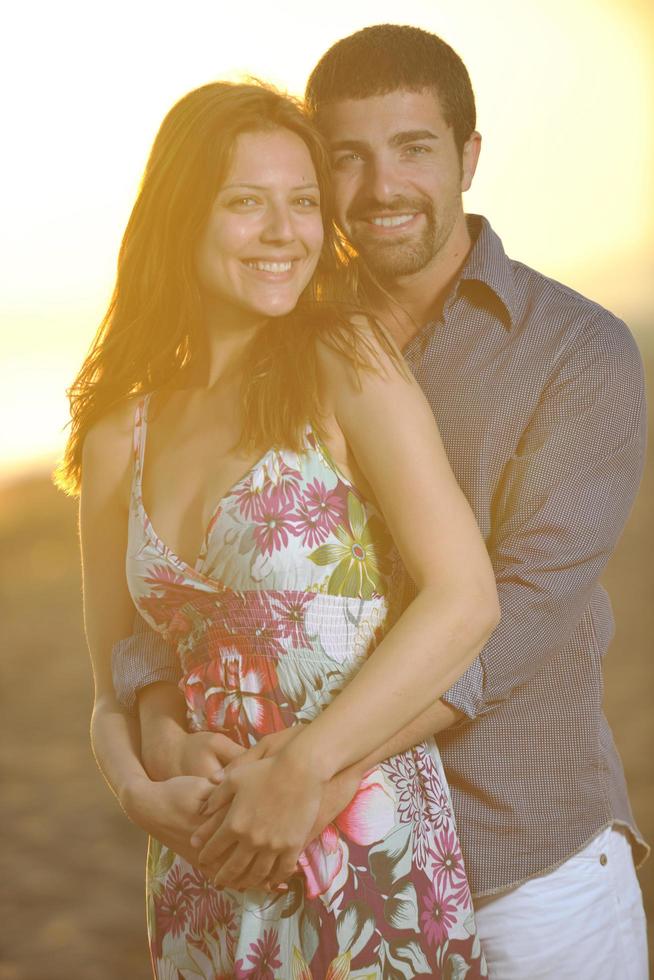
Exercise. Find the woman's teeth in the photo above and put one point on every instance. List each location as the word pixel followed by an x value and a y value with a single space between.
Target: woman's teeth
pixel 270 266
pixel 394 222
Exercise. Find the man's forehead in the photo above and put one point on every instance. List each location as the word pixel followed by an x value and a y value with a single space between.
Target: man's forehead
pixel 382 116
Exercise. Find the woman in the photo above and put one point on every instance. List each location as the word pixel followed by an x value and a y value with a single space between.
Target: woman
pixel 254 446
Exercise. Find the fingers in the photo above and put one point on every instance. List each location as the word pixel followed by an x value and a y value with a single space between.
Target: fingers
pixel 234 866
pixel 219 797
pixel 206 830
pixel 256 874
pixel 225 749
pixel 284 868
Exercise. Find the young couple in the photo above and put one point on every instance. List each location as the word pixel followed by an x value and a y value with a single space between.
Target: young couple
pixel 262 478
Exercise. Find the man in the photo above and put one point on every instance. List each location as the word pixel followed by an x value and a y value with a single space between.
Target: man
pixel 538 393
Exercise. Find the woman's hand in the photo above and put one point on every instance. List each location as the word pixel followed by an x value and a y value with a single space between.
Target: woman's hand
pixel 267 746
pixel 268 810
pixel 336 796
pixel 170 810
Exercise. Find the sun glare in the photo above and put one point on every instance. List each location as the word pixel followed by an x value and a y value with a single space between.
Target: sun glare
pixel 564 96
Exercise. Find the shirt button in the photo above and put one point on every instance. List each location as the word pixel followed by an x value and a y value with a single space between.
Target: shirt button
pixel 603 859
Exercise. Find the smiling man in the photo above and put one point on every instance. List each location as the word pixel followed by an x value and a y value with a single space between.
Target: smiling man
pixel 538 393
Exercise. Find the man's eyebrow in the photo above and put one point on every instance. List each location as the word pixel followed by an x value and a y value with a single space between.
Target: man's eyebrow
pixel 397 139
pixel 412 136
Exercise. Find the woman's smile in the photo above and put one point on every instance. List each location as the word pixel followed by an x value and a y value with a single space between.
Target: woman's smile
pixel 264 235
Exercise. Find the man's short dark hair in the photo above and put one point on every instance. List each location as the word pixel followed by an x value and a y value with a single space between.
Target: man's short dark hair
pixel 387 57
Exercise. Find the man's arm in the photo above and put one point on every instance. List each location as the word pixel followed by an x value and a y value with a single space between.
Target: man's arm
pixel 560 509
pixel 139 660
pixel 145 675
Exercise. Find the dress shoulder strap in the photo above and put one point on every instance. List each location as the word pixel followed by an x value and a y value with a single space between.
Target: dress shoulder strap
pixel 139 439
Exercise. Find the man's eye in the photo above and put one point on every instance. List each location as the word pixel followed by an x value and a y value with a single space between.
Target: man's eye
pixel 417 150
pixel 346 158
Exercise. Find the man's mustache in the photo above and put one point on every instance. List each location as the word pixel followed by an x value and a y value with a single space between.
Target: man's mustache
pixel 370 206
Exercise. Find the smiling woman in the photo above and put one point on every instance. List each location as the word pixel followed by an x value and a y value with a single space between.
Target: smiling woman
pixel 247 440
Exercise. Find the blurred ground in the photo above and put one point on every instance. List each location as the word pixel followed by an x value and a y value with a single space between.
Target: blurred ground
pixel 72 903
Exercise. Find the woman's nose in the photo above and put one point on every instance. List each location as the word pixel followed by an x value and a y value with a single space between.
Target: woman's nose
pixel 279 225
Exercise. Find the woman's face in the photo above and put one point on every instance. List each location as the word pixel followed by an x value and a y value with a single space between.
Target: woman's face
pixel 264 233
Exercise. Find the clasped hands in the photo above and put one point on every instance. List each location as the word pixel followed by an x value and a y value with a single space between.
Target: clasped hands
pixel 266 807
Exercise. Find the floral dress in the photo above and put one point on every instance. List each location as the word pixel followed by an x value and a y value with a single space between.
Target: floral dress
pixel 296 582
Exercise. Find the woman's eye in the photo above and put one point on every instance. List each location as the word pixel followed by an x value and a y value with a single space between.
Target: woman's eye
pixel 307 202
pixel 243 202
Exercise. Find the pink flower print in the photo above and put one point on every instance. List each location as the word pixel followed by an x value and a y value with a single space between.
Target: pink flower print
pixel 264 957
pixel 447 866
pixel 174 907
pixel 322 860
pixel 283 477
pixel 411 802
pixel 436 797
pixel 309 526
pixel 292 608
pixel 325 506
pixel 192 687
pixel 273 522
pixel 253 626
pixel 368 817
pixel 370 814
pixel 272 473
pixel 238 701
pixel 204 899
pixel 249 500
pixel 438 916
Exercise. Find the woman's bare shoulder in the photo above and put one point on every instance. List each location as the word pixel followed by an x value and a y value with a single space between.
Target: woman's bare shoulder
pixel 107 452
pixel 355 354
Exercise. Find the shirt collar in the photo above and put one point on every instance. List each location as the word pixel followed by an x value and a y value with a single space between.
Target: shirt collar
pixel 487 275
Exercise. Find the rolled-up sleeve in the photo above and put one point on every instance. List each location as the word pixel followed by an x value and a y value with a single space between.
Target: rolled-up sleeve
pixel 560 508
pixel 139 660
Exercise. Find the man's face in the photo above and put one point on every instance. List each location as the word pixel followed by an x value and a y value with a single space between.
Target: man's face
pixel 398 178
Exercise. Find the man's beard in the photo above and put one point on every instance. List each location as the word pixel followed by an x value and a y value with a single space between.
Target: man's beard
pixel 404 256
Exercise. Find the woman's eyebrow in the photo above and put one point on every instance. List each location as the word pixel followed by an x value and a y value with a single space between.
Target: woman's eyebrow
pixel 264 187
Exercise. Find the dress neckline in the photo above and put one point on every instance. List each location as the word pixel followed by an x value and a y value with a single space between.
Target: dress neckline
pixel 140 437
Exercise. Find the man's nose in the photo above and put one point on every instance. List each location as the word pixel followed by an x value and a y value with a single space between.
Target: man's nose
pixel 279 225
pixel 381 177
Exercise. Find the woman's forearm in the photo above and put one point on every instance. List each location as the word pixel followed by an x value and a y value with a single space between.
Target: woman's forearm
pixel 436 718
pixel 429 647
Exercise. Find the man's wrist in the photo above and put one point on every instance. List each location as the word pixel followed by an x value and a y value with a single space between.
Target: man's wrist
pixel 133 796
pixel 162 750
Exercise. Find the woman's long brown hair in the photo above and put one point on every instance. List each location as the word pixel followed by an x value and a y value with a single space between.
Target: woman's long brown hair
pixel 153 330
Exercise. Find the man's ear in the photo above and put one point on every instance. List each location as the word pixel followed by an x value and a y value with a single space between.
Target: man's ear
pixel 469 159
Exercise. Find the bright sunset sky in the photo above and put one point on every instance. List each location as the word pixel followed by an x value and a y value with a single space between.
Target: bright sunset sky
pixel 564 95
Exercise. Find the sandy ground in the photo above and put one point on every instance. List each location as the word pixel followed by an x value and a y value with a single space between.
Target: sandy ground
pixel 72 866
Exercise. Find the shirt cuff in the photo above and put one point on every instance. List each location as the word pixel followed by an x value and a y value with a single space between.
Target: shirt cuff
pixel 466 694
pixel 134 667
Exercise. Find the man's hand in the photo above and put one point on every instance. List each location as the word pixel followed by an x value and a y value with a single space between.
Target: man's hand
pixel 208 754
pixel 169 810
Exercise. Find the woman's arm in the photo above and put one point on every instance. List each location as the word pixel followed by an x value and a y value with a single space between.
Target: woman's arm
pixel 391 431
pixel 169 811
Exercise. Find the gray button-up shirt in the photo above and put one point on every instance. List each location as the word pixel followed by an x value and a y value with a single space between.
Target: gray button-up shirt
pixel 539 397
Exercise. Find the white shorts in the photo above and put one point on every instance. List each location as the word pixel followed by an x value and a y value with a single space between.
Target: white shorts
pixel 582 921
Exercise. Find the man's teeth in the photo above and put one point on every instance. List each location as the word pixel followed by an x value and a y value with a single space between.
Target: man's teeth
pixel 270 266
pixel 398 219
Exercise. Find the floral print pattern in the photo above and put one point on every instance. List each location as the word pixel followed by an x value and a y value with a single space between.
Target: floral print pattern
pixel 296 583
